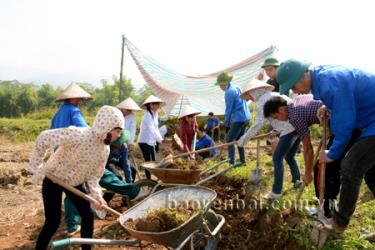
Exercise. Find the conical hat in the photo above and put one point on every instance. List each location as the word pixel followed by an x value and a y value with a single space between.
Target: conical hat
pixel 256 84
pixel 152 99
pixel 188 110
pixel 73 91
pixel 128 104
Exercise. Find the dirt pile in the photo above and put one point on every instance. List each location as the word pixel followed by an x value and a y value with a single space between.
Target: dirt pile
pixel 184 165
pixel 161 220
pixel 250 224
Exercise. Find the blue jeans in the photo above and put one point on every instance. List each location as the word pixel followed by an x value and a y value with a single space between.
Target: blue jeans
pixel 286 148
pixel 237 129
pixel 123 160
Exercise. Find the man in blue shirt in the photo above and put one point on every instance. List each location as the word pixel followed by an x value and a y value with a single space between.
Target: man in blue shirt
pixel 237 114
pixel 212 126
pixel 69 114
pixel 205 141
pixel 348 94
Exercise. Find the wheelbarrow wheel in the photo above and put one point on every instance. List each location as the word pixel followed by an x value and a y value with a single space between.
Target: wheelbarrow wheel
pixel 200 240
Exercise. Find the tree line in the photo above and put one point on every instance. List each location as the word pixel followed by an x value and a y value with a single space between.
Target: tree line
pixel 20 99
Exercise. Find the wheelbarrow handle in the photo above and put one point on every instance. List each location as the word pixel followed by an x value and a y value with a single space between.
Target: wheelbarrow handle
pixel 88 241
pixel 217 228
pixel 79 193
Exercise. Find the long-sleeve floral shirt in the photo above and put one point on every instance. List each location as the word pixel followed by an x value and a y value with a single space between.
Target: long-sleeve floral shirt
pixel 81 154
pixel 284 127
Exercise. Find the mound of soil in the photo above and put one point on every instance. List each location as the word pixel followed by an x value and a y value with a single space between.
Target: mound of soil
pixel 161 220
pixel 184 165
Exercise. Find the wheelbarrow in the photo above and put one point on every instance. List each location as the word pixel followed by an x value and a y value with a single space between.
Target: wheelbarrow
pixel 175 238
pixel 180 176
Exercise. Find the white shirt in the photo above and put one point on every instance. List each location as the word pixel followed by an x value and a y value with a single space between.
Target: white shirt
pixel 284 127
pixel 131 126
pixel 149 132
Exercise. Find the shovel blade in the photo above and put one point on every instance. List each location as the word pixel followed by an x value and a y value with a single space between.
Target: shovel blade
pixel 256 176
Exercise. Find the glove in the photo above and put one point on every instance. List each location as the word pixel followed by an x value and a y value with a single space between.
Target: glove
pixel 227 129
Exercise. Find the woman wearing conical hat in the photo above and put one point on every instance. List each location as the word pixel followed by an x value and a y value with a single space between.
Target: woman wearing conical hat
pixel 149 133
pixel 260 92
pixel 128 107
pixel 69 113
pixel 188 126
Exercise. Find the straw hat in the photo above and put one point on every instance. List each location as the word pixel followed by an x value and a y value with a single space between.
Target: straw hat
pixel 152 99
pixel 256 84
pixel 73 91
pixel 128 104
pixel 188 110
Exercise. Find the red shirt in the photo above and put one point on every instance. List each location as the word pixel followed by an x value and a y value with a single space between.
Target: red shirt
pixel 186 133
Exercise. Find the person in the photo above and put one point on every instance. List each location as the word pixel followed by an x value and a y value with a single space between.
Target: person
pixel 205 141
pixel 79 161
pixel 128 108
pixel 212 126
pixel 348 95
pixel 69 114
pixel 260 92
pixel 270 66
pixel 237 115
pixel 188 128
pixel 149 133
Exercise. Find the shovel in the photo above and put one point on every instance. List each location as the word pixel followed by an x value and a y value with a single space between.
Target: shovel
pixel 317 236
pixel 256 173
pixel 79 193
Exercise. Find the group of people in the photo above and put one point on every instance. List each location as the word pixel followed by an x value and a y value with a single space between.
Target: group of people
pixel 89 158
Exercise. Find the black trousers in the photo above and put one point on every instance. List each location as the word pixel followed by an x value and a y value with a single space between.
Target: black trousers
pixel 332 181
pixel 148 153
pixel 52 196
pixel 357 165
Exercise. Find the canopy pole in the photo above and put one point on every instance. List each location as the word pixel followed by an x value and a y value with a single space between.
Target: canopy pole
pixel 122 64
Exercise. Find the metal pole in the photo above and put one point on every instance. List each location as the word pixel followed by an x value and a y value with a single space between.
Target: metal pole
pixel 122 63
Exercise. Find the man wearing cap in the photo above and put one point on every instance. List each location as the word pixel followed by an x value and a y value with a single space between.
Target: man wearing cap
pixel 128 107
pixel 270 66
pixel 237 114
pixel 69 114
pixel 260 92
pixel 348 94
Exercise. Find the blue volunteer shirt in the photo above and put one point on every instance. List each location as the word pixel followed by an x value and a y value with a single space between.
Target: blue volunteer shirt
pixel 212 122
pixel 350 96
pixel 68 115
pixel 236 109
pixel 206 142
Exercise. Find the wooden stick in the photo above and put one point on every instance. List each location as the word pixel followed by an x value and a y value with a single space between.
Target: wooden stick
pixel 79 193
pixel 323 172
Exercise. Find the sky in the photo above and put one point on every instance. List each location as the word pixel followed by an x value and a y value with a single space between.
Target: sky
pixel 79 40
